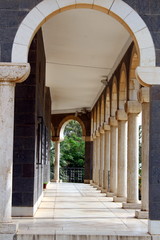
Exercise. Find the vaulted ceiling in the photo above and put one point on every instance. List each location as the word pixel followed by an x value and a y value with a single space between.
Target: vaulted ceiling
pixel 82 46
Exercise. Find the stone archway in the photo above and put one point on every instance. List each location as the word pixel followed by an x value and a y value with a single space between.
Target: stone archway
pixel 117 9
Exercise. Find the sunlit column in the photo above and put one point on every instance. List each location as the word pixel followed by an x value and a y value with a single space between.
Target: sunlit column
pixel 144 100
pixel 133 109
pixel 113 156
pixel 122 157
pixel 106 158
pixel 101 157
pixel 57 161
pixel 10 74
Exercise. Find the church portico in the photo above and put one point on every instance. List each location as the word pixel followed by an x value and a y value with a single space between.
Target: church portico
pixel 91 61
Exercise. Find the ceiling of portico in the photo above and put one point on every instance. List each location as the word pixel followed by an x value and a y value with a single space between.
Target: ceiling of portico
pixel 82 46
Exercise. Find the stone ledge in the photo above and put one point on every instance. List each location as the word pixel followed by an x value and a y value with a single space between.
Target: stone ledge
pixel 142 214
pixel 131 205
pixel 8 228
pixel 119 199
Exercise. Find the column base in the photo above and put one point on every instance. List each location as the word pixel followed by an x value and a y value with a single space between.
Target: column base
pixel 103 190
pixel 154 227
pixel 119 199
pixel 110 194
pixel 131 205
pixel 8 228
pixel 87 181
pixel 99 188
pixel 141 214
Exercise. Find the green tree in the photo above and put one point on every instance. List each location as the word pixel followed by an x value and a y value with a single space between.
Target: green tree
pixel 73 147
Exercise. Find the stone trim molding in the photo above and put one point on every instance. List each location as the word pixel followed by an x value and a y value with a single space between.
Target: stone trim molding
pixel 133 107
pixel 13 72
pixel 148 76
pixel 143 95
pixel 121 115
pixel 119 10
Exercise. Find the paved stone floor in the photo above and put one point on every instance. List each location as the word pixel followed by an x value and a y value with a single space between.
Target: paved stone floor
pixel 72 208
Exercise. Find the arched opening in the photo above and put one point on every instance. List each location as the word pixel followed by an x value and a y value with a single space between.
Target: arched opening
pixel 122 88
pixel 108 106
pixel 72 153
pixel 114 98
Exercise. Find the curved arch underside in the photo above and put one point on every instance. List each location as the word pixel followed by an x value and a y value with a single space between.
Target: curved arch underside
pixel 84 43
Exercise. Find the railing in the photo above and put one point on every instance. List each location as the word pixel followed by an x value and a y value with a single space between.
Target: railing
pixel 72 175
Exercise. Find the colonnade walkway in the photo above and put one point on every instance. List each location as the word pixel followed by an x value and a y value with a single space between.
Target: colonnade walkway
pixel 78 211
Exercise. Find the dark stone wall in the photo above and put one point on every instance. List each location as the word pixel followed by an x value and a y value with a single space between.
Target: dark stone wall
pixel 154 155
pixel 149 10
pixel 88 160
pixel 32 129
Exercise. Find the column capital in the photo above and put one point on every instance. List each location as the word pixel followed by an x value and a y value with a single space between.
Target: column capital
pixel 97 133
pixel 121 115
pixel 88 139
pixel 55 139
pixel 143 95
pixel 113 122
pixel 13 72
pixel 106 127
pixel 101 130
pixel 133 107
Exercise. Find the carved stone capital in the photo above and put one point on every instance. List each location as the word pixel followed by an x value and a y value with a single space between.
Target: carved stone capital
pixel 106 127
pixel 133 107
pixel 113 122
pixel 14 72
pixel 121 115
pixel 97 133
pixel 101 130
pixel 88 139
pixel 143 95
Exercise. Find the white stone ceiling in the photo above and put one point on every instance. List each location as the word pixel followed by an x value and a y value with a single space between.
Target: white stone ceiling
pixel 81 46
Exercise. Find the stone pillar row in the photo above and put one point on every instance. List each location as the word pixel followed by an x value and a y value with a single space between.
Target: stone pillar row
pixel 10 74
pixel 112 142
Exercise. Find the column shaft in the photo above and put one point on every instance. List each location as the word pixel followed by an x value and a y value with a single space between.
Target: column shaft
pixel 94 160
pixel 132 173
pixel 113 160
pixel 6 149
pixel 57 161
pixel 97 159
pixel 101 159
pixel 106 161
pixel 122 159
pixel 145 156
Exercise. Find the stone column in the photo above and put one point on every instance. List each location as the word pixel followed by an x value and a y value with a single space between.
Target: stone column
pixel 122 157
pixel 94 159
pixel 143 97
pixel 113 156
pixel 133 108
pixel 101 158
pixel 106 158
pixel 88 160
pixel 57 159
pixel 97 157
pixel 10 74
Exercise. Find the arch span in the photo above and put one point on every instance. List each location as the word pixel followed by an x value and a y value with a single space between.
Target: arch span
pixel 65 121
pixel 115 8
